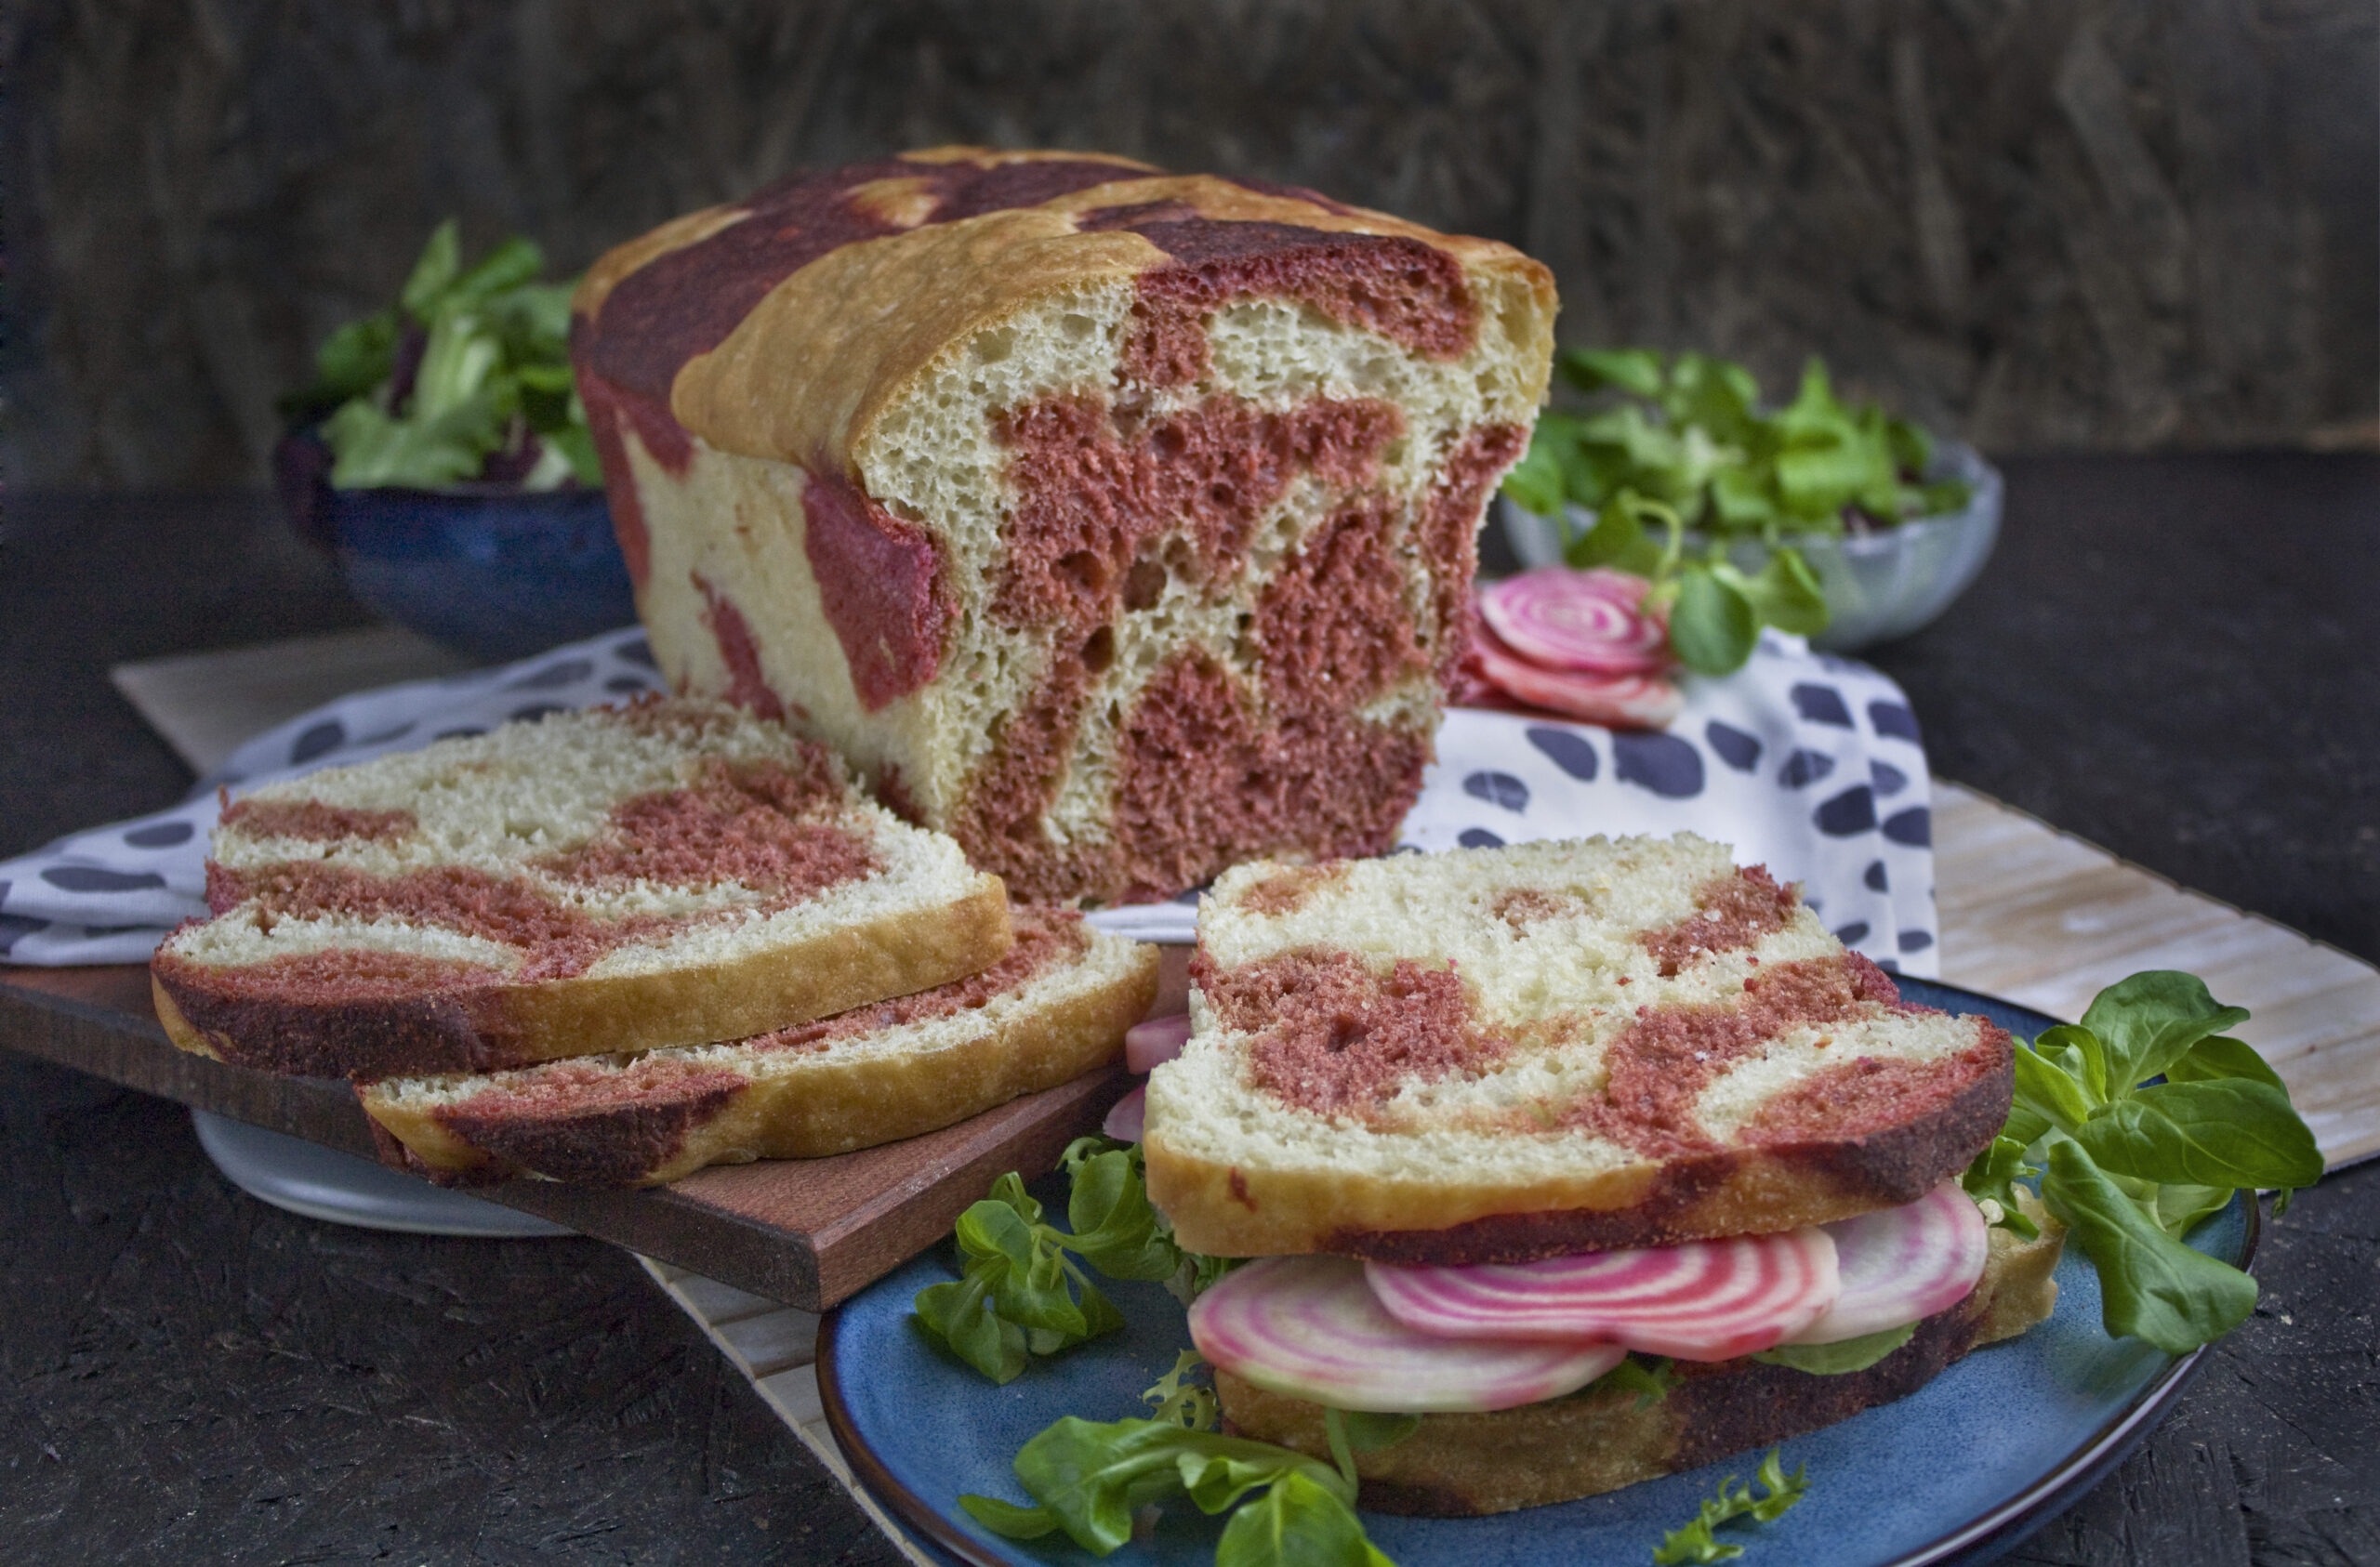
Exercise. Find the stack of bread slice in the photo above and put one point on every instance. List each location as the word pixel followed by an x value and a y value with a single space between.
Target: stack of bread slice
pixel 1474 1072
pixel 621 943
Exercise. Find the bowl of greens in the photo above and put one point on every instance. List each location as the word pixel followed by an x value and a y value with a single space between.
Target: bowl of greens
pixel 1827 519
pixel 443 457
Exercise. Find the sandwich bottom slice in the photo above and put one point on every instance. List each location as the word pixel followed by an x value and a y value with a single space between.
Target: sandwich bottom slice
pixel 1057 1006
pixel 1604 1437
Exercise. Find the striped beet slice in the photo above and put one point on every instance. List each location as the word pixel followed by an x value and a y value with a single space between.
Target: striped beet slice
pixel 1707 1301
pixel 1902 1265
pixel 1308 1327
pixel 1150 1044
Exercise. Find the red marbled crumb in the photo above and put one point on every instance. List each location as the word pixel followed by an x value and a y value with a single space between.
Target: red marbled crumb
pixel 1091 489
pixel 879 584
pixel 739 651
pixel 1334 1038
pixel 1733 912
pixel 328 978
pixel 1203 782
pixel 1286 890
pixel 1524 906
pixel 587 1087
pixel 745 823
pixel 315 822
pixel 1400 288
pixel 1332 625
pixel 1868 1095
pixel 1450 534
pixel 1044 939
pixel 1663 1060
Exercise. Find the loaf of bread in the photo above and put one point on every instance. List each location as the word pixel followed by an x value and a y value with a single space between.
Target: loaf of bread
pixel 1501 1054
pixel 1055 1006
pixel 1601 1439
pixel 667 872
pixel 1119 524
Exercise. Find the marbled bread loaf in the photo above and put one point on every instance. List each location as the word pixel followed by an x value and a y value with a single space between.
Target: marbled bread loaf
pixel 1499 1054
pixel 1599 1439
pixel 668 872
pixel 1118 523
pixel 1054 1008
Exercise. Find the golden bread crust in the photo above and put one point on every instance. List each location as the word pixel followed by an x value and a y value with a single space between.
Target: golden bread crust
pixel 834 1101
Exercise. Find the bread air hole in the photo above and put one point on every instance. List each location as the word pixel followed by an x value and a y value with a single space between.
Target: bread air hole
pixel 1099 651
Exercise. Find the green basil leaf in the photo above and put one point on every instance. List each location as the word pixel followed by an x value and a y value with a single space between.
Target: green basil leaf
pixel 2079 1054
pixel 1092 1477
pixel 516 261
pixel 432 275
pixel 356 358
pixel 2050 1092
pixel 2179 1208
pixel 1841 1357
pixel 1369 1432
pixel 1994 1176
pixel 1297 1524
pixel 1616 535
pixel 2152 1286
pixel 1784 592
pixel 2024 1127
pixel 1115 1227
pixel 1635 371
pixel 1536 482
pixel 2221 1055
pixel 961 1315
pixel 1648 1376
pixel 371 450
pixel 2229 1132
pixel 1712 626
pixel 2151 1019
pixel 1008 1518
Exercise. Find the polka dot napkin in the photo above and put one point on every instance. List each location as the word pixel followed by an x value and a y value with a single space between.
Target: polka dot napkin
pixel 1806 763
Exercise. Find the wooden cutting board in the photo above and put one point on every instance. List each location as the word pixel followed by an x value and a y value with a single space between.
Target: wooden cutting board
pixel 804 1231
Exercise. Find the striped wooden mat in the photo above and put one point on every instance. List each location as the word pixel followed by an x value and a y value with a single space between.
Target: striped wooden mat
pixel 2028 913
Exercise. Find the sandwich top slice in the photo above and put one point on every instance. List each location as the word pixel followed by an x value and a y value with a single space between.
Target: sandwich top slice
pixel 619 879
pixel 1497 1055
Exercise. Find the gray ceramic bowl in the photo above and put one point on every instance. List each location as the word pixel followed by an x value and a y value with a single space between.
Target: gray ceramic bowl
pixel 1878 586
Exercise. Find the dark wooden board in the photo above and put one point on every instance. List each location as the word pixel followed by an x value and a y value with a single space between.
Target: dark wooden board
pixel 806 1231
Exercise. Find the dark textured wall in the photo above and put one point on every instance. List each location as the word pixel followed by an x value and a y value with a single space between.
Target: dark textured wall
pixel 2137 223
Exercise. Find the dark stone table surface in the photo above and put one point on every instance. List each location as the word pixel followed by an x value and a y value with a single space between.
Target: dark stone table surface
pixel 2177 657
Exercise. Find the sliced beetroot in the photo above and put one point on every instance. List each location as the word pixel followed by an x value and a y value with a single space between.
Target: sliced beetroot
pixel 1156 1041
pixel 1310 1328
pixel 1591 621
pixel 1614 701
pixel 1902 1265
pixel 1706 1301
pixel 1126 1121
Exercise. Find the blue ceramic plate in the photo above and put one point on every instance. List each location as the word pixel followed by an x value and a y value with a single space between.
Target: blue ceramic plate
pixel 1959 1472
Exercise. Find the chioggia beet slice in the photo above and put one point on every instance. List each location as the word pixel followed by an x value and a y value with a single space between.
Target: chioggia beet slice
pixel 1616 701
pixel 1310 1328
pixel 1902 1265
pixel 1153 1043
pixel 1594 621
pixel 1126 1120
pixel 1706 1301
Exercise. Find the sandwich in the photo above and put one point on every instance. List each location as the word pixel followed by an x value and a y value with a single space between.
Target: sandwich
pixel 1601 1158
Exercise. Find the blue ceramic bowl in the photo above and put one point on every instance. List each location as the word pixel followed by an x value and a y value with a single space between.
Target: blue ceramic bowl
pixel 492 572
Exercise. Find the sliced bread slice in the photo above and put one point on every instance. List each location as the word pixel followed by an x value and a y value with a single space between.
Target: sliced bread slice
pixel 667 873
pixel 1499 1054
pixel 1057 1007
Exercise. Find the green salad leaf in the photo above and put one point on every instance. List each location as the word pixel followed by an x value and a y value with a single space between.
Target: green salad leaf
pixel 1021 1291
pixel 466 377
pixel 1694 1543
pixel 2149 1117
pixel 1681 440
pixel 1648 1376
pixel 1841 1357
pixel 1090 1480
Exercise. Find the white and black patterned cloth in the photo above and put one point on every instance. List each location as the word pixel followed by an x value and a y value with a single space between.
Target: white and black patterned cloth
pixel 1806 763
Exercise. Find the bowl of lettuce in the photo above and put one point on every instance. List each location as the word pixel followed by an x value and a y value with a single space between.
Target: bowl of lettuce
pixel 1832 520
pixel 443 457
